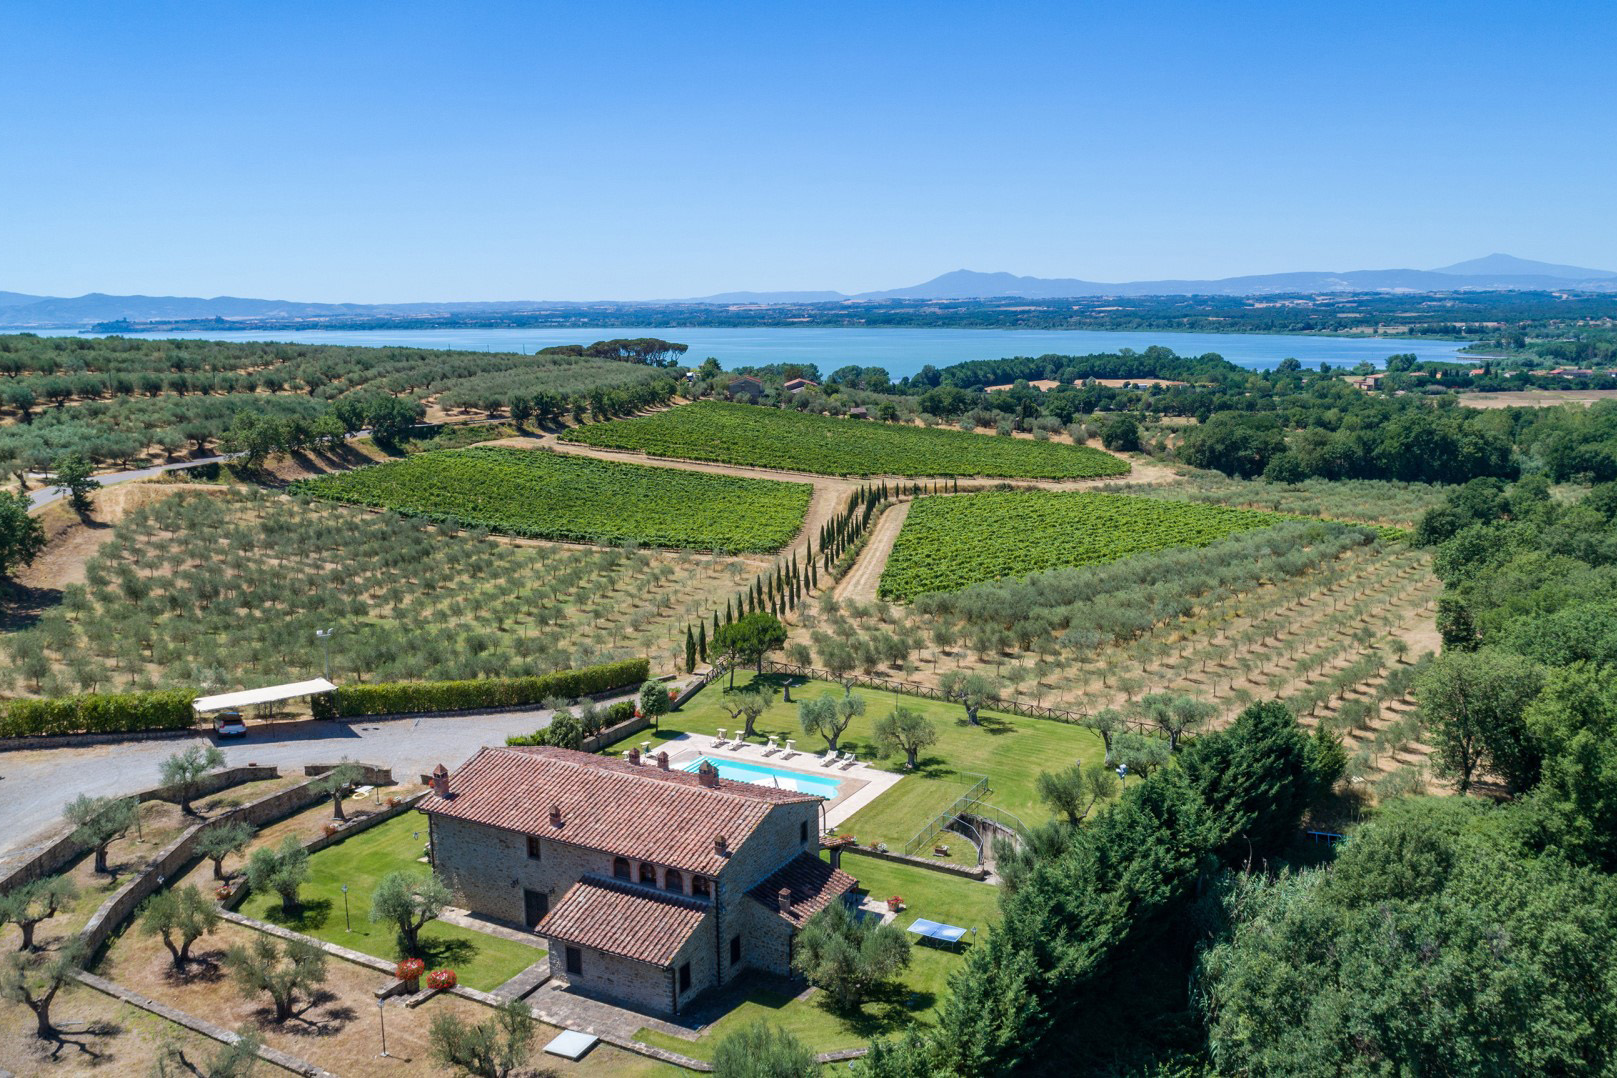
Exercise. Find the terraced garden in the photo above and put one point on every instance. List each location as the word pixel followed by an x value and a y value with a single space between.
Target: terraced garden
pixel 544 495
pixel 759 437
pixel 953 542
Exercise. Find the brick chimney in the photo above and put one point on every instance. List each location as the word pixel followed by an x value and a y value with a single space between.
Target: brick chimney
pixel 662 760
pixel 783 900
pixel 440 780
pixel 708 775
pixel 721 845
pixel 555 815
pixel 634 757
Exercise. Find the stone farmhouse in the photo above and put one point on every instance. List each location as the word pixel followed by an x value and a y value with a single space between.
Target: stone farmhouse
pixel 652 885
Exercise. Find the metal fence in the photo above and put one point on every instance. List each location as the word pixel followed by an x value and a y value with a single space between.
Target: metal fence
pixel 939 822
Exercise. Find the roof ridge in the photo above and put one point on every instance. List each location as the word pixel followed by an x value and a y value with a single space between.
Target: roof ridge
pixel 745 791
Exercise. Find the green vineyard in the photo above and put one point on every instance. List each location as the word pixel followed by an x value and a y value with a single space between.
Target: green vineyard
pixel 953 542
pixel 545 495
pixel 771 438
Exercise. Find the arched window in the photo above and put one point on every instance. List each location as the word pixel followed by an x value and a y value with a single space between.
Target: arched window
pixel 620 867
pixel 648 873
pixel 672 881
pixel 699 887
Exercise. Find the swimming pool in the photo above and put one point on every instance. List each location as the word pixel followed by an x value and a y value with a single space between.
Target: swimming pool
pixel 770 776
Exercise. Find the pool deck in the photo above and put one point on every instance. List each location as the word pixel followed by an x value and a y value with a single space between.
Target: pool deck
pixel 859 785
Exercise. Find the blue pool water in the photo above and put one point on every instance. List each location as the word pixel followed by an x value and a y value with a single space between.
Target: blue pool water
pixel 769 776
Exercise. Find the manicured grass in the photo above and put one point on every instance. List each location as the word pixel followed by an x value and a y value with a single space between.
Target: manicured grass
pixel 775 438
pixel 953 542
pixel 480 960
pixel 921 987
pixel 546 495
pixel 1009 749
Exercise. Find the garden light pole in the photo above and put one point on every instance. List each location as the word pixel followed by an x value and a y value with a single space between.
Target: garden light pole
pixel 325 647
pixel 381 1012
pixel 349 925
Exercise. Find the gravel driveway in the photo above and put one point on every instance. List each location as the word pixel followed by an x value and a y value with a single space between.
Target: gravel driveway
pixel 36 783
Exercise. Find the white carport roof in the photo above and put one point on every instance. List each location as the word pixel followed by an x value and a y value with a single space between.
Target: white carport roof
pixel 267 695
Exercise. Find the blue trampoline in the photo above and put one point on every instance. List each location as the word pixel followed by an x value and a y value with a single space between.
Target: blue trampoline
pixel 935 930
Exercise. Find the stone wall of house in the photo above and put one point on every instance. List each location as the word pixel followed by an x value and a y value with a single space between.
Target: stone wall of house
pixel 700 951
pixel 479 863
pixel 639 984
pixel 767 942
pixel 775 842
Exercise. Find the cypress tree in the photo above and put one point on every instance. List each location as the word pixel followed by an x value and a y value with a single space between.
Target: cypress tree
pixel 701 638
pixel 690 651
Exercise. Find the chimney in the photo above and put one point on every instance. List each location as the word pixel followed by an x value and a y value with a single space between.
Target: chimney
pixel 555 815
pixel 836 856
pixel 440 780
pixel 721 845
pixel 783 900
pixel 708 775
pixel 634 756
pixel 662 760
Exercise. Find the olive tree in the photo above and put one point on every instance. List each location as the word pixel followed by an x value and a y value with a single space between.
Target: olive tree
pixel 182 772
pixel 336 783
pixel 491 1049
pixel 904 731
pixel 971 691
pixel 261 966
pixel 99 821
pixel 1074 791
pixel 849 958
pixel 35 982
pixel 33 902
pixel 763 1050
pixel 409 900
pixel 829 716
pixel 180 917
pixel 218 842
pixel 282 870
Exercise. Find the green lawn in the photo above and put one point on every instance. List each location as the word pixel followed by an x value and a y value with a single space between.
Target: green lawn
pixel 922 987
pixel 1009 749
pixel 480 960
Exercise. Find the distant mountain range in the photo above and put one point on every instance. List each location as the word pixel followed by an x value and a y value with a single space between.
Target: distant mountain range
pixel 1496 272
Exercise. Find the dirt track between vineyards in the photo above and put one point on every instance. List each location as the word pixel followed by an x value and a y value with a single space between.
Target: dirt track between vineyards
pixel 863 579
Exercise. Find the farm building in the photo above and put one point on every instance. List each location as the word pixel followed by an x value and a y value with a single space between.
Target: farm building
pixel 651 884
pixel 797 385
pixel 745 386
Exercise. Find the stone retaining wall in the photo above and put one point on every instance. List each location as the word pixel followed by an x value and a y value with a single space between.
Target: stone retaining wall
pixel 970 872
pixel 63 849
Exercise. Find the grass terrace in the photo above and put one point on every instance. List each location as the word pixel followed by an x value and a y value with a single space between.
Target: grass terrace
pixel 772 438
pixel 921 987
pixel 482 961
pixel 540 494
pixel 1009 749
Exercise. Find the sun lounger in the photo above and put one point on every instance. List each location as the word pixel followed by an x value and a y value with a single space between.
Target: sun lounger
pixel 771 748
pixel 830 758
pixel 852 759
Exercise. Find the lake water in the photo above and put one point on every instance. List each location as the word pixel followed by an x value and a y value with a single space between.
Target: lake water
pixel 900 351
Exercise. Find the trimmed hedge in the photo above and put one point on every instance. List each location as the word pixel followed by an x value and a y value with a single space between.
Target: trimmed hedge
pixel 100 713
pixel 407 697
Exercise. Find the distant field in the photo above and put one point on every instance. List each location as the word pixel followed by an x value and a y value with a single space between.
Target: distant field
pixel 953 542
pixel 545 495
pixel 1537 398
pixel 771 438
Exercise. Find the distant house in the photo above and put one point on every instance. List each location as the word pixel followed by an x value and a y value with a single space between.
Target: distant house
pixel 651 884
pixel 745 386
pixel 861 412
pixel 1131 383
pixel 1477 371
pixel 797 385
pixel 1370 381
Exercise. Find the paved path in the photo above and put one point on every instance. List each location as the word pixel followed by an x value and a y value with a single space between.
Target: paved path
pixel 46 495
pixel 36 783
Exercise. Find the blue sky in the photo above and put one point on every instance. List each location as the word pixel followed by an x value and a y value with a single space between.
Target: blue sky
pixel 400 151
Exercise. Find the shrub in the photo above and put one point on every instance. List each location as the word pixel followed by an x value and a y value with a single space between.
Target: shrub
pixel 406 697
pixel 99 713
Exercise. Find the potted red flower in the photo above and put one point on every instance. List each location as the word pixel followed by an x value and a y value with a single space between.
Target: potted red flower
pixel 442 979
pixel 409 970
pixel 224 892
pixel 895 903
pixel 330 829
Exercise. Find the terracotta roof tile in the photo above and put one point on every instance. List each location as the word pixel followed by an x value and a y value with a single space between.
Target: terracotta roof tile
pixel 813 883
pixel 621 920
pixel 640 812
